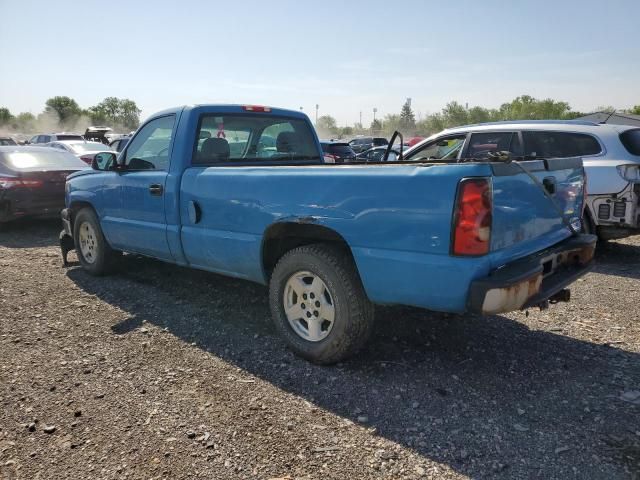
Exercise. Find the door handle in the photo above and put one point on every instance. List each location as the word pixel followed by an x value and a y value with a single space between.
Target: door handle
pixel 155 189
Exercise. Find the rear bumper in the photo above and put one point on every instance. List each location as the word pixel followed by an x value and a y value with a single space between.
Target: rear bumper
pixel 532 280
pixel 12 210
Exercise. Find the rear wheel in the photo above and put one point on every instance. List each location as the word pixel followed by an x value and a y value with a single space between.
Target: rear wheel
pixel 318 303
pixel 94 253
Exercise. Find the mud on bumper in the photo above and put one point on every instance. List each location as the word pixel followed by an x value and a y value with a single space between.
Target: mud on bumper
pixel 533 280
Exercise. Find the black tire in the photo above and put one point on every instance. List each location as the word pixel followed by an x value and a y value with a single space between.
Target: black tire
pixel 104 257
pixel 354 313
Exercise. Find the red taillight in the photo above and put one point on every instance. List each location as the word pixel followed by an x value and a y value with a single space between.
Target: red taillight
pixel 255 108
pixel 14 182
pixel 472 217
pixel 87 159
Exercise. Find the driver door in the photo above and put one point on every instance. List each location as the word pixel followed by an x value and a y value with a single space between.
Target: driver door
pixel 138 222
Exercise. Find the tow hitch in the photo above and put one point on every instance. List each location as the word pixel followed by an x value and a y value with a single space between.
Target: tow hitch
pixel 563 295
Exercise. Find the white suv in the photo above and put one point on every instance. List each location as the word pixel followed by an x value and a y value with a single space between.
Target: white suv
pixel 611 156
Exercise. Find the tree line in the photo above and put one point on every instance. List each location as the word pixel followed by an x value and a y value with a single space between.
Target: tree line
pixel 455 114
pixel 62 112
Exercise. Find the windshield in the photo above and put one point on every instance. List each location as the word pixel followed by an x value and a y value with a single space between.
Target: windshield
pixel 340 148
pixel 254 138
pixel 44 160
pixel 439 150
pixel 69 137
pixel 6 141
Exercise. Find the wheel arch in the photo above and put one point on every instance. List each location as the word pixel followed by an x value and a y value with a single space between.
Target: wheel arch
pixel 76 205
pixel 281 237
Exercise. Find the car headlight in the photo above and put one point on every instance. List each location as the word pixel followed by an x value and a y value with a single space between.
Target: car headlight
pixel 630 173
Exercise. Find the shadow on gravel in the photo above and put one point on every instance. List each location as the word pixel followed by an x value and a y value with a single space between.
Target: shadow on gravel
pixel 618 259
pixel 30 233
pixel 487 396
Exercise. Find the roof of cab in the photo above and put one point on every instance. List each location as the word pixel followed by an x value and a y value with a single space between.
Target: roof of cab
pixel 230 108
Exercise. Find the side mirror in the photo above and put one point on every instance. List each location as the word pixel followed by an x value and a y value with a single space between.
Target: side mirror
pixel 104 161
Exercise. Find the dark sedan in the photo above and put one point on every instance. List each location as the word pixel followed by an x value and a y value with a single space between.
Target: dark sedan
pixel 32 181
pixel 337 152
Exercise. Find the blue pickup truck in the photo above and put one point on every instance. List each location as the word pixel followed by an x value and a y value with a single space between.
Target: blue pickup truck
pixel 244 191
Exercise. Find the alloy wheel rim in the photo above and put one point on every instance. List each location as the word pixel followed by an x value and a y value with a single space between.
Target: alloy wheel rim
pixel 88 243
pixel 309 306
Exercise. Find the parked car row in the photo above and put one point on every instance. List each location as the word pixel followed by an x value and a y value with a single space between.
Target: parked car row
pixel 103 135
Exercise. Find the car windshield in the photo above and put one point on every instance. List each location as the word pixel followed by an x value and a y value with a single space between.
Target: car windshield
pixel 254 138
pixel 6 141
pixel 340 148
pixel 69 137
pixel 43 160
pixel 82 147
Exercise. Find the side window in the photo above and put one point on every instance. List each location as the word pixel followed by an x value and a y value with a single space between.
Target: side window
pixel 482 144
pixel 559 144
pixel 149 150
pixel 253 138
pixel 444 148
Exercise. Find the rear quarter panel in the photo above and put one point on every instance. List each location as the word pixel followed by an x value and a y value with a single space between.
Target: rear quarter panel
pixel 395 218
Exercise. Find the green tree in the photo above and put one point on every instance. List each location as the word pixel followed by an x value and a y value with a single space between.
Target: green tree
pixel 407 123
pixel 24 122
pixel 5 116
pixel 116 112
pixel 455 114
pixel 526 107
pixel 390 124
pixel 376 125
pixel 635 110
pixel 346 131
pixel 129 114
pixel 65 108
pixel 327 125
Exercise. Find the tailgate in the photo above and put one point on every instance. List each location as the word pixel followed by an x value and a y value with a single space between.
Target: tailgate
pixel 525 219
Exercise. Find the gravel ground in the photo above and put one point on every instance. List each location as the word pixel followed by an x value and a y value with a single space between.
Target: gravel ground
pixel 164 372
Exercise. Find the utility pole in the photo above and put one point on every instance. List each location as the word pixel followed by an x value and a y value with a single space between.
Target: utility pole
pixel 360 118
pixel 317 107
pixel 375 110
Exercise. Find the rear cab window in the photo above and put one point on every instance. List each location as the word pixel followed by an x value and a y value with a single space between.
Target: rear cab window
pixel 253 138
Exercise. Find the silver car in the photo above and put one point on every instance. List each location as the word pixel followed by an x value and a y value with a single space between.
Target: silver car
pixel 611 156
pixel 85 151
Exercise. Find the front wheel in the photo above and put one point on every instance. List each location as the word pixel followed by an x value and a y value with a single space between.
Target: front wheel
pixel 318 303
pixel 94 253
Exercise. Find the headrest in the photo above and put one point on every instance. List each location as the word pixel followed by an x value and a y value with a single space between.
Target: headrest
pixel 287 142
pixel 214 150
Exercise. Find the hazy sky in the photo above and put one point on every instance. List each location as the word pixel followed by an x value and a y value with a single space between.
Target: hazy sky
pixel 345 56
